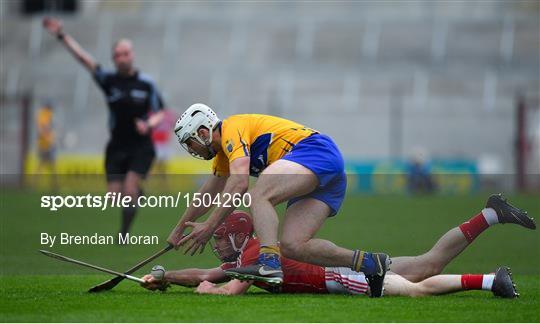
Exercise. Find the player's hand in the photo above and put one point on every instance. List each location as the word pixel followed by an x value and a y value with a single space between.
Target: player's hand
pixel 204 287
pixel 142 126
pixel 52 25
pixel 197 239
pixel 151 283
pixel 177 235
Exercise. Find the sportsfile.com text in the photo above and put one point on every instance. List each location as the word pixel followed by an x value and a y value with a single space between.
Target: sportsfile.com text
pixel 112 200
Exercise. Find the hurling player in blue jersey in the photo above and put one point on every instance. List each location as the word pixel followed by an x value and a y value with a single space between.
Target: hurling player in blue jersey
pixel 293 163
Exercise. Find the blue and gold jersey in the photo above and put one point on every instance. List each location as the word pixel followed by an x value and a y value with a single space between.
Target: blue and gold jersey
pixel 265 139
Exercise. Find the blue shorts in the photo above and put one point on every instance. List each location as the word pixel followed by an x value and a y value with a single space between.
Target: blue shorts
pixel 321 155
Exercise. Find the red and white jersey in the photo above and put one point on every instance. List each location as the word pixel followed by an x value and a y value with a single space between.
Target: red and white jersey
pixel 299 277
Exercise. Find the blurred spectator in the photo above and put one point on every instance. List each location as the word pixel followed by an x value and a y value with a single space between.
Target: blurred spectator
pixel 46 141
pixel 419 179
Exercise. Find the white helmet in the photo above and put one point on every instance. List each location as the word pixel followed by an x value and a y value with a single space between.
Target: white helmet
pixel 187 126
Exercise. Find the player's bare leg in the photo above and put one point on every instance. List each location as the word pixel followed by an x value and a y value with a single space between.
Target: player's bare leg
pixel 396 285
pixel 279 182
pixel 500 284
pixel 282 181
pixel 451 244
pixel 420 267
pixel 302 220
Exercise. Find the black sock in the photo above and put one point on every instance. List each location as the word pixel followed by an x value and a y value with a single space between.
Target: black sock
pixel 128 215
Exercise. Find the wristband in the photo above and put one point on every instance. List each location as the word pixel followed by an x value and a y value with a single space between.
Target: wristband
pixel 60 35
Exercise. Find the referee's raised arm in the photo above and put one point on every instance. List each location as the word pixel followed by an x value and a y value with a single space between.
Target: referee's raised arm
pixel 55 28
pixel 134 109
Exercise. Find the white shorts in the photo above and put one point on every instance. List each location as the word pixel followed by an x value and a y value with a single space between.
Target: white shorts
pixel 345 281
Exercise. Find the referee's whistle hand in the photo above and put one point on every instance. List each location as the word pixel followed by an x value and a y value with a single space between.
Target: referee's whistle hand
pixel 142 126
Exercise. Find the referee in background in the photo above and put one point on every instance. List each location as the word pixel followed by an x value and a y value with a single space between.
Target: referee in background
pixel 134 109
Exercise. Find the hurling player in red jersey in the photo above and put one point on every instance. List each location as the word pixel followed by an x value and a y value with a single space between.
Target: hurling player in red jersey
pixel 236 246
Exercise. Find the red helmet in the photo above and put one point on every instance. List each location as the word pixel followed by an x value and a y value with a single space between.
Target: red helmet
pixel 238 222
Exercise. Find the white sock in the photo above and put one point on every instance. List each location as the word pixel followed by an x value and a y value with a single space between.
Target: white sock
pixel 487 281
pixel 490 215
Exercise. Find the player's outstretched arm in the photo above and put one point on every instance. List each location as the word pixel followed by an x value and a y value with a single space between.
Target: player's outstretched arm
pixel 237 184
pixel 233 287
pixel 55 28
pixel 186 277
pixel 193 277
pixel 213 185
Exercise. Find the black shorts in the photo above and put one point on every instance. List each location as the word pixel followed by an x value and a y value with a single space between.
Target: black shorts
pixel 136 157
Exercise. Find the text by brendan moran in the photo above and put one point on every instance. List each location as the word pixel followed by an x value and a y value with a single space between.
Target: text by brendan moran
pixel 97 239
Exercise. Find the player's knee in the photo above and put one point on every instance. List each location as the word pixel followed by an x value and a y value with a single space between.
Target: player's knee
pixel 255 195
pixel 433 268
pixel 261 194
pixel 427 288
pixel 419 290
pixel 291 249
pixel 431 265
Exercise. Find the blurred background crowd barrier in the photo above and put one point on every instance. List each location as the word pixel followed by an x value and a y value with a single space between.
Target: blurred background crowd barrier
pixel 419 95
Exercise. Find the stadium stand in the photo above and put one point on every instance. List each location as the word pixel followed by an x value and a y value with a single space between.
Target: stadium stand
pixel 453 70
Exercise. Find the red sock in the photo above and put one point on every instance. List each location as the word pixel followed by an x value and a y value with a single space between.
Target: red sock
pixel 471 281
pixel 474 227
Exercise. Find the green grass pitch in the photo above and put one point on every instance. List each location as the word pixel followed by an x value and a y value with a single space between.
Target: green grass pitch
pixel 36 288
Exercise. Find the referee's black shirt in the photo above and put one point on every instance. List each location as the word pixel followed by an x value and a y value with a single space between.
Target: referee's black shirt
pixel 128 98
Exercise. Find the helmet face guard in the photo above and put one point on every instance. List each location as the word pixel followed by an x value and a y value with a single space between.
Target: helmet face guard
pixel 203 144
pixel 188 125
pixel 222 254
